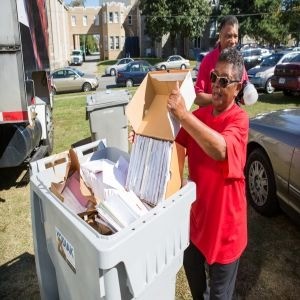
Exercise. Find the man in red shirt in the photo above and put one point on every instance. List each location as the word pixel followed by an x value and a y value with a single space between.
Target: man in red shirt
pixel 215 138
pixel 228 38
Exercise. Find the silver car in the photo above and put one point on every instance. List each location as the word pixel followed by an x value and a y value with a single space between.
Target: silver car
pixel 71 80
pixel 120 64
pixel 273 162
pixel 260 76
pixel 173 62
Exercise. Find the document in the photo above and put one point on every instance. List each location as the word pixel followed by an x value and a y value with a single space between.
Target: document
pixel 149 167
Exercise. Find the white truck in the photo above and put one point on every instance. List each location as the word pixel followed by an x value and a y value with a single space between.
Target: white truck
pixel 26 128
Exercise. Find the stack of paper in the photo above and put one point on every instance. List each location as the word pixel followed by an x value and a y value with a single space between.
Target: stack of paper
pixel 120 208
pixel 116 207
pixel 148 171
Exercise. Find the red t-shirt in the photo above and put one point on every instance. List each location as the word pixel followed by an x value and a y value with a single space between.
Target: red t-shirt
pixel 203 84
pixel 218 224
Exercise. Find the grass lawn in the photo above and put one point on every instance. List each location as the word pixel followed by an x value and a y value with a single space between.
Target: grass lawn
pixel 270 268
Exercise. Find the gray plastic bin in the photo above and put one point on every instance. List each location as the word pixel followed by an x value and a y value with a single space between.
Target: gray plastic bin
pixel 73 261
pixel 106 113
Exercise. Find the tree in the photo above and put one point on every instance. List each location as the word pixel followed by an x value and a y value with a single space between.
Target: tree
pixel 183 18
pixel 290 15
pixel 260 19
pixel 75 3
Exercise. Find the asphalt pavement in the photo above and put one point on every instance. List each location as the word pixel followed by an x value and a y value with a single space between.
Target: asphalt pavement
pixel 90 66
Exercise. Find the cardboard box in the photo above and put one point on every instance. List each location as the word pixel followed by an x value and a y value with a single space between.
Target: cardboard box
pixel 83 192
pixel 148 115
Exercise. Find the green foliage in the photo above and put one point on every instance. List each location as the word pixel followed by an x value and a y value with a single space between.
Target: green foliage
pixel 183 17
pixel 264 20
pixel 75 3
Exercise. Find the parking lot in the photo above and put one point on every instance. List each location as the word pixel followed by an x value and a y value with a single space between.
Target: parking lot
pixel 269 269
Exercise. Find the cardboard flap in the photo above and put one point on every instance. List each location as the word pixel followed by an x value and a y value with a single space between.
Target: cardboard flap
pixel 156 122
pixel 176 169
pixel 147 111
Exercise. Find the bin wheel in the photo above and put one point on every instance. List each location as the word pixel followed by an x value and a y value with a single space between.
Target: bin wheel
pixel 129 83
pixel 86 87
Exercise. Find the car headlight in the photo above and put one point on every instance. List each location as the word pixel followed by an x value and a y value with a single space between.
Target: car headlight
pixel 260 74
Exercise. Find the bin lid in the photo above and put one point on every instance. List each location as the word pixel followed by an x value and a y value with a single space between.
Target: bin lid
pixel 108 98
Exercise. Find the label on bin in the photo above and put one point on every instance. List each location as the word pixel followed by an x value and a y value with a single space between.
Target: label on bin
pixel 65 249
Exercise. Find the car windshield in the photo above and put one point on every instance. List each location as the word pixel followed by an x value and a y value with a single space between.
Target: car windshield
pixel 271 60
pixel 80 73
pixel 76 53
pixel 296 58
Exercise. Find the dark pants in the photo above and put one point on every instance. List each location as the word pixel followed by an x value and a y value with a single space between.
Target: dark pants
pixel 221 277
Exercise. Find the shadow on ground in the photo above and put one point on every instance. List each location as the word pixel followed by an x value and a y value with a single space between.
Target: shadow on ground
pixel 18 279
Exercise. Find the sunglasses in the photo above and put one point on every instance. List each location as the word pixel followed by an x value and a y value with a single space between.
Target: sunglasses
pixel 223 81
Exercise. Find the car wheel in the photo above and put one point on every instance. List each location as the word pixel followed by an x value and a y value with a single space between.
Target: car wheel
pixel 129 83
pixel 86 87
pixel 163 67
pixel 182 67
pixel 260 183
pixel 287 93
pixel 268 87
pixel 112 72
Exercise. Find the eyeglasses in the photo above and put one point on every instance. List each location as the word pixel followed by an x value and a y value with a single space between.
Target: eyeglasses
pixel 223 81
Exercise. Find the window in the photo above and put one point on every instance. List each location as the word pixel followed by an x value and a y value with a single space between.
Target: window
pixel 105 43
pixel 129 19
pixel 111 17
pixel 116 17
pixel 117 40
pixel 96 20
pixel 111 42
pixel 197 42
pixel 73 21
pixel 84 20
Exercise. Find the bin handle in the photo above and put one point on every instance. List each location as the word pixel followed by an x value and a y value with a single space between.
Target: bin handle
pixel 99 144
pixel 49 162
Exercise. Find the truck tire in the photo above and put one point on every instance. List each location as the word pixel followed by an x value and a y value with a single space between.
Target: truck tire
pixel 49 141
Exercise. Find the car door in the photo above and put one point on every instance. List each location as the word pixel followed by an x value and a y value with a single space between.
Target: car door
pixel 175 64
pixel 137 72
pixel 72 82
pixel 294 182
pixel 59 80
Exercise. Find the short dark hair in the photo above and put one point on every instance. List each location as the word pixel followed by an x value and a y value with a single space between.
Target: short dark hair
pixel 228 20
pixel 234 57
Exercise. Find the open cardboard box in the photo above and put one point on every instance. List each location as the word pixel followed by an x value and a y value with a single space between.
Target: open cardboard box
pixel 148 115
pixel 84 193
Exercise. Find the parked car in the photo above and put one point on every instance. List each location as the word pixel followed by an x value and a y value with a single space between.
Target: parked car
pixel 173 62
pixel 287 77
pixel 254 56
pixel 121 63
pixel 71 79
pixel 273 160
pixel 133 73
pixel 76 57
pixel 260 76
pixel 199 59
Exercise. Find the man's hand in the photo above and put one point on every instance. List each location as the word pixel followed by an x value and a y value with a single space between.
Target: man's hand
pixel 176 104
